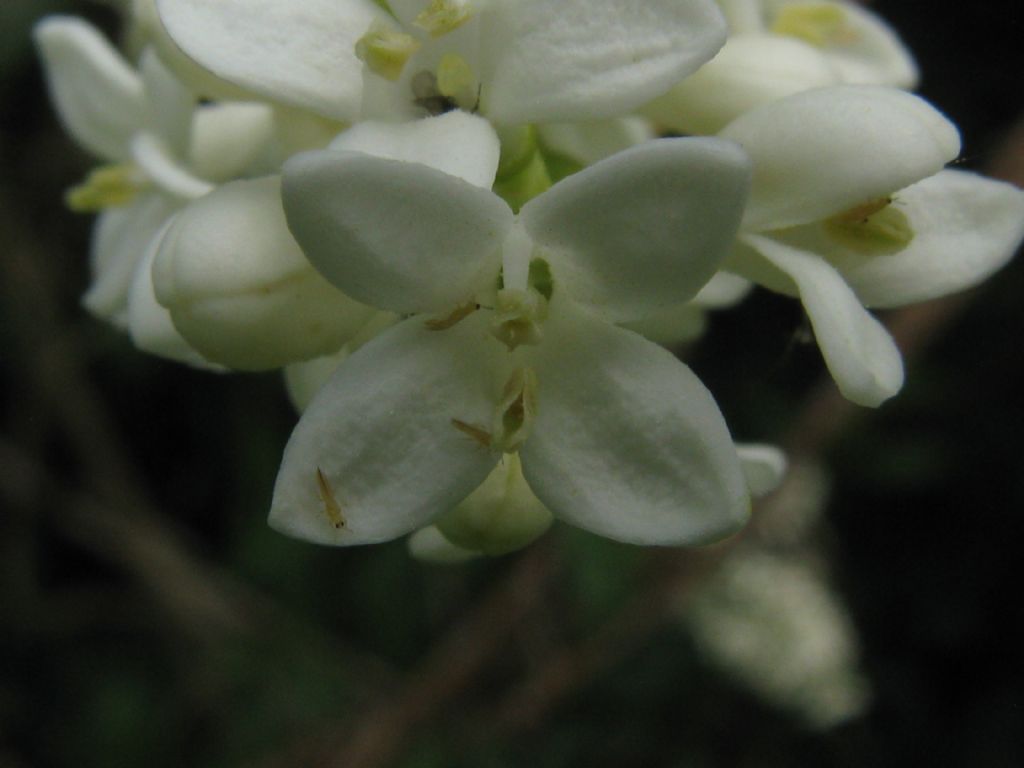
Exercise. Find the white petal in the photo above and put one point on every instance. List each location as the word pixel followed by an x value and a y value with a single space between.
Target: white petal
pixel 500 516
pixel 150 324
pixel 723 291
pixel 381 433
pixel 823 151
pixel 965 228
pixel 859 352
pixel 644 229
pixel 97 95
pixel 565 60
pixel 169 102
pixel 672 327
pixel 429 545
pixel 239 288
pixel 120 239
pixel 303 380
pixel 228 138
pixel 298 52
pixel 157 161
pixel 589 143
pixel 872 54
pixel 627 442
pixel 743 16
pixel 456 143
pixel 751 70
pixel 764 466
pixel 395 235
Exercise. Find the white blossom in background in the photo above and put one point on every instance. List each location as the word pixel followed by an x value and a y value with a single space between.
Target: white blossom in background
pixel 851 208
pixel 161 150
pixel 510 347
pixel 780 47
pixel 773 623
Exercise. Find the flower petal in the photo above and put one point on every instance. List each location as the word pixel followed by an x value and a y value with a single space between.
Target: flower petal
pixel 300 53
pixel 859 352
pixel 150 324
pixel 871 53
pixel 827 150
pixel 567 60
pixel 965 228
pixel 457 143
pixel 380 431
pixel 764 466
pixel 395 235
pixel 98 96
pixel 644 229
pixel 228 138
pixel 429 545
pixel 170 104
pixel 239 288
pixel 120 239
pixel 627 442
pixel 589 143
pixel 749 71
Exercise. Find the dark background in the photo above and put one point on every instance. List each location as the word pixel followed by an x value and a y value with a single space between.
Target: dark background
pixel 149 616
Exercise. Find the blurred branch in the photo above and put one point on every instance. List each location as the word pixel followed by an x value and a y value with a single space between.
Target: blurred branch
pixel 450 667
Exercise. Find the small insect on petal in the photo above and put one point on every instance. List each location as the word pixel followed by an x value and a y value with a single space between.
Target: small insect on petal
pixel 479 434
pixel 332 509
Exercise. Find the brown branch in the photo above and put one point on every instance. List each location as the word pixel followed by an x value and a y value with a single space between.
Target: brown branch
pixel 446 671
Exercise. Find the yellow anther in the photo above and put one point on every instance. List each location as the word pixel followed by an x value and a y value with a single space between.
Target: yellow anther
pixel 518 316
pixel 444 322
pixel 455 79
pixel 108 186
pixel 819 24
pixel 479 434
pixel 385 50
pixel 874 228
pixel 514 414
pixel 442 16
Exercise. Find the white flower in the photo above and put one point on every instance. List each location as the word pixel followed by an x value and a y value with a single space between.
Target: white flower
pixel 614 434
pixel 851 208
pixel 780 47
pixel 163 152
pixel 516 61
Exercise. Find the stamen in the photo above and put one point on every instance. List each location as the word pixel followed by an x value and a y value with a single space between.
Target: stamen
pixel 479 434
pixel 455 79
pixel 515 412
pixel 442 16
pixel 874 228
pixel 444 322
pixel 518 316
pixel 819 24
pixel 385 50
pixel 105 187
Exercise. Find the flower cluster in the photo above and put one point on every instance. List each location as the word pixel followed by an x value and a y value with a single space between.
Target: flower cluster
pixel 455 226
